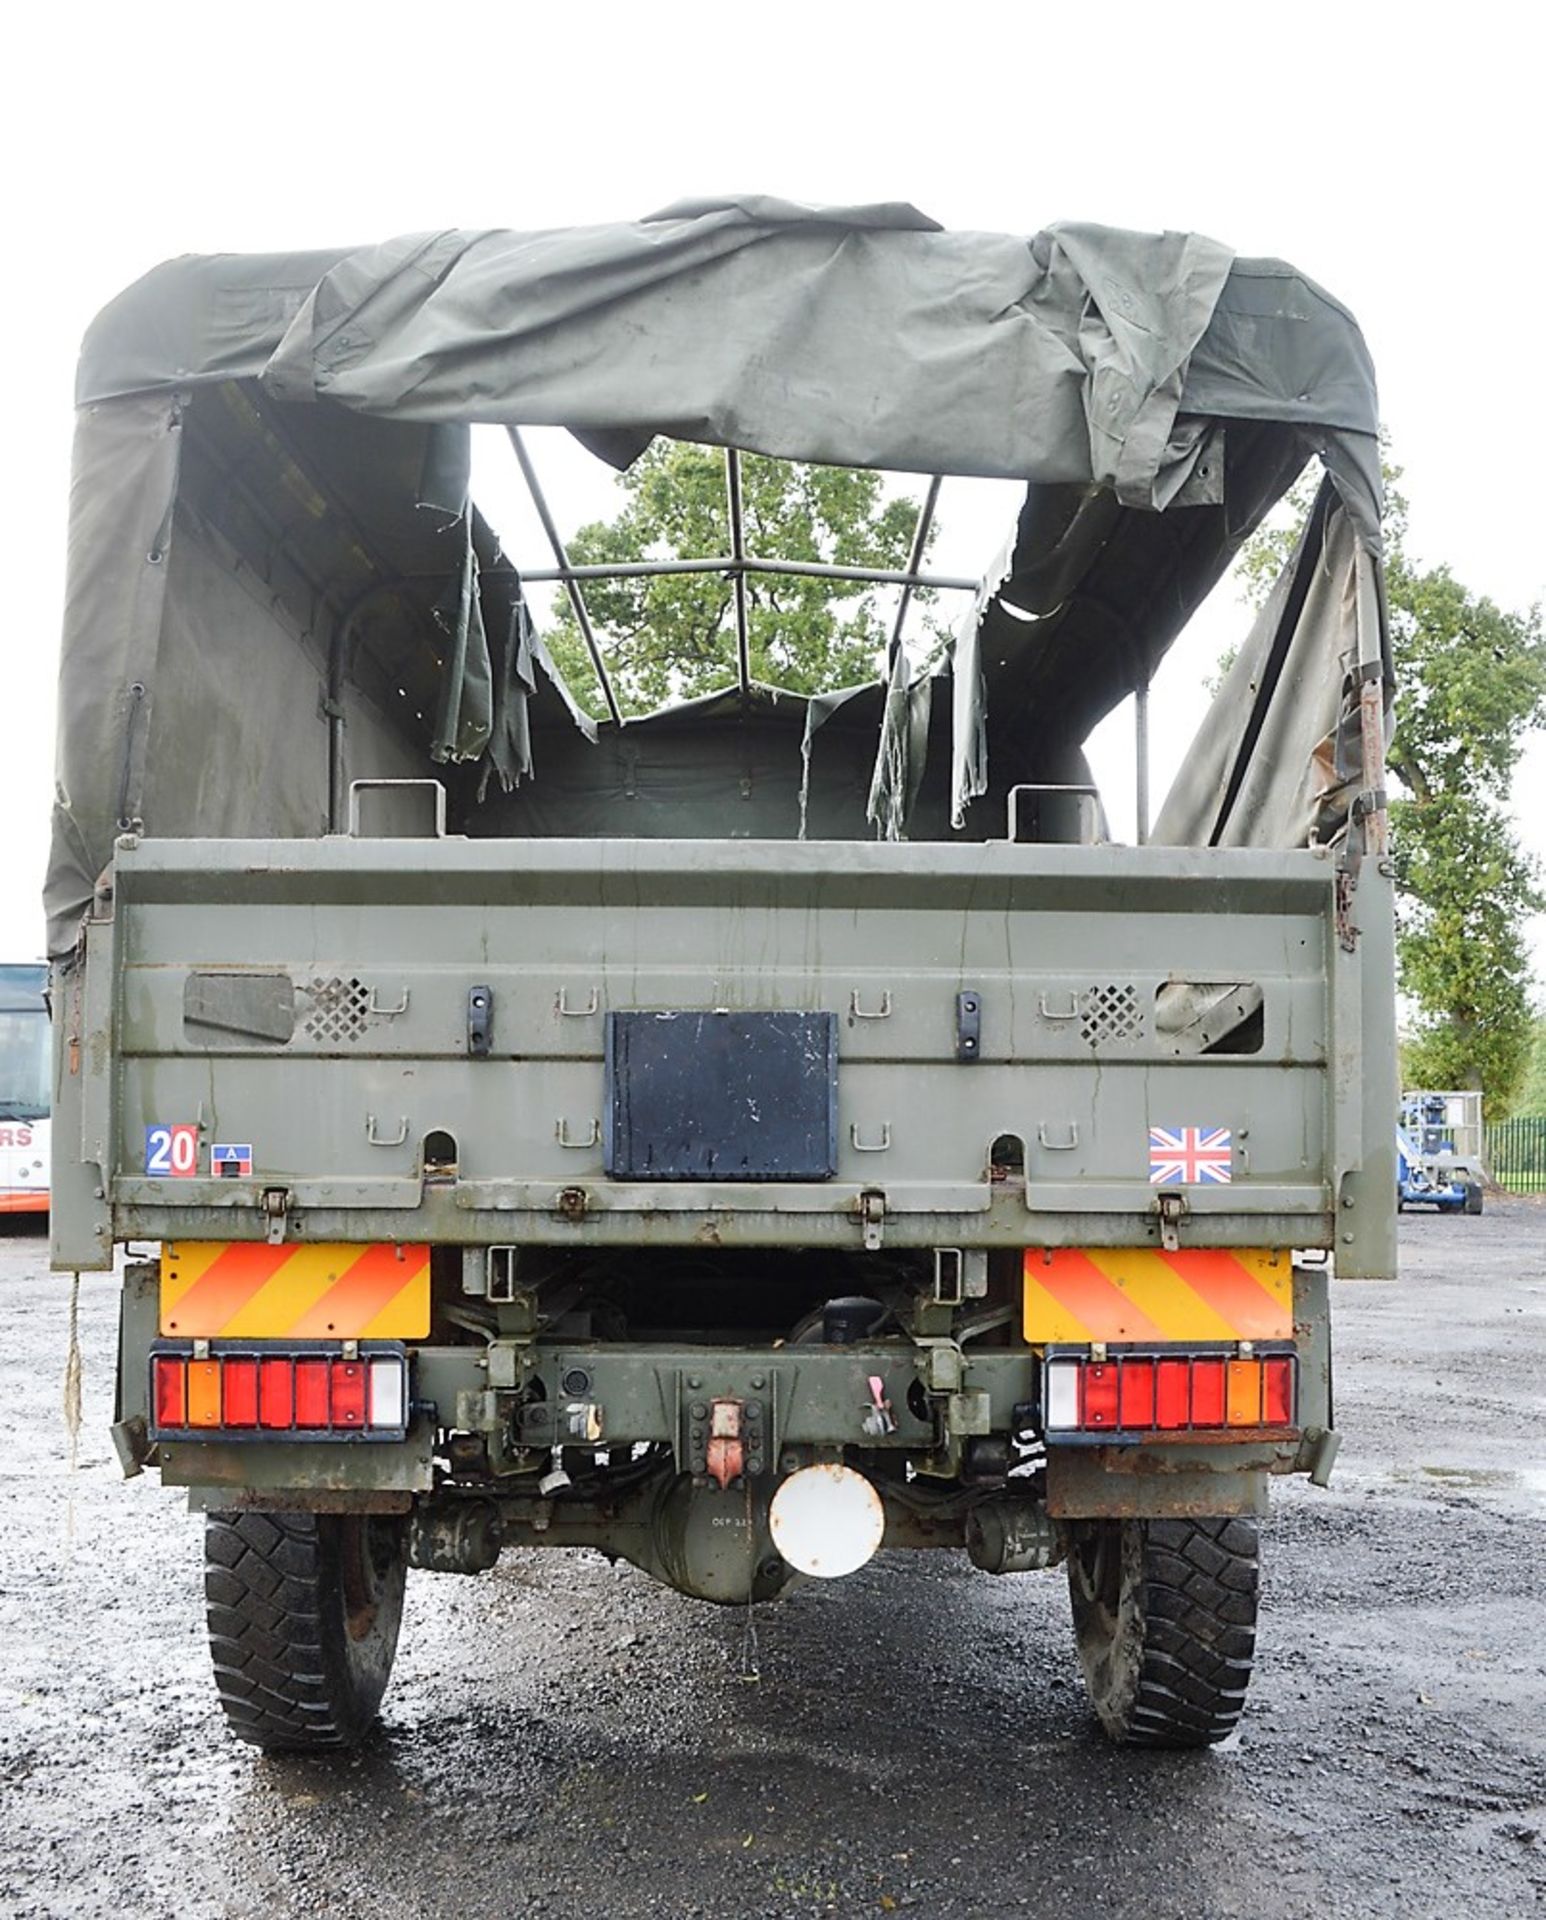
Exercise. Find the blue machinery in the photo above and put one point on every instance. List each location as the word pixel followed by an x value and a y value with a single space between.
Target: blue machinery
pixel 1430 1170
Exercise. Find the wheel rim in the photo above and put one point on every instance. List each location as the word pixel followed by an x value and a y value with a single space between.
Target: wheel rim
pixel 1106 1580
pixel 1096 1562
pixel 368 1552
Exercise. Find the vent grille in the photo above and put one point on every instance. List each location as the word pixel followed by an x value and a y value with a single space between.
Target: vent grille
pixel 1110 1012
pixel 340 1010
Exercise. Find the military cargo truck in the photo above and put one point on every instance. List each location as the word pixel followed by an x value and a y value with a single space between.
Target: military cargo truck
pixel 778 1128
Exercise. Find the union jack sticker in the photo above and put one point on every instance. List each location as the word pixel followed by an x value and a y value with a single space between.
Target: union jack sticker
pixel 1189 1156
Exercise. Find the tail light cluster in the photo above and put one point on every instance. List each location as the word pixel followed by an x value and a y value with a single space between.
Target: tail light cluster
pixel 308 1395
pixel 1141 1393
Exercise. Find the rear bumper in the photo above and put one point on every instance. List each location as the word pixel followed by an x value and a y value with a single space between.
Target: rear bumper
pixel 521 1399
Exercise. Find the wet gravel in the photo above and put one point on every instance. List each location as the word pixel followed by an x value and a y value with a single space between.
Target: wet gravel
pixel 563 1738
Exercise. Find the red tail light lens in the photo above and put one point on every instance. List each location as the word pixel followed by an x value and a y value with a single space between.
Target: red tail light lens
pixel 240 1393
pixel 1136 1389
pixel 1098 1404
pixel 276 1393
pixel 1173 1393
pixel 269 1396
pixel 1207 1393
pixel 348 1398
pixel 1137 1393
pixel 311 1393
pixel 169 1391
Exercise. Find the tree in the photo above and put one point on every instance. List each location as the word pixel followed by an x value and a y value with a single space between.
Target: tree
pixel 672 637
pixel 1471 682
pixel 1532 1093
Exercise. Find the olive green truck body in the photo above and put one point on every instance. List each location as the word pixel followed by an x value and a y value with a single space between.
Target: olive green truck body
pixel 627 1125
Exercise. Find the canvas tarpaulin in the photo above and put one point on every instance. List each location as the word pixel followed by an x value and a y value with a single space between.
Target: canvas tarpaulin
pixel 861 336
pixel 1086 362
pixel 1288 774
pixel 123 486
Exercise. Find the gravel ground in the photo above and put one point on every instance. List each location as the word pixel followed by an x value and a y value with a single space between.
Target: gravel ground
pixel 563 1738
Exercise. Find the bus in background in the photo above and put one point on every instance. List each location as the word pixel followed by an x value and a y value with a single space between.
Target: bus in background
pixel 24 1090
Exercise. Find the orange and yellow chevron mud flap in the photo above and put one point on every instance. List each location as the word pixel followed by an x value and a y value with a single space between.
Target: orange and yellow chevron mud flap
pixel 248 1290
pixel 1078 1295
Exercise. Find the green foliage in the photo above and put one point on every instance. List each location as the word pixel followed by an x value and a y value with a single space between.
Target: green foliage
pixel 1532 1092
pixel 1471 683
pixel 1212 682
pixel 1466 890
pixel 1267 552
pixel 673 637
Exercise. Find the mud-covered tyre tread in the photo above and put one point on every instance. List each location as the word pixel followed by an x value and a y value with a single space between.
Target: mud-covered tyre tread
pixel 1196 1635
pixel 288 1678
pixel 1200 1582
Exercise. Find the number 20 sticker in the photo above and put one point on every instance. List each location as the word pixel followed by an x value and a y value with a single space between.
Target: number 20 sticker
pixel 172 1153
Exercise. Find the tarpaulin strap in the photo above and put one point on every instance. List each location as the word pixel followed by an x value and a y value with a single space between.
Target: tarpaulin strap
pixel 136 704
pixel 1364 674
pixel 1350 862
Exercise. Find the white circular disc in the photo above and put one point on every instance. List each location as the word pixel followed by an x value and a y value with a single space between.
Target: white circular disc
pixel 827 1521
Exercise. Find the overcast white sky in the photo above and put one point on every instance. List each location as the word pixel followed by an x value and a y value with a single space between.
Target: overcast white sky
pixel 1393 154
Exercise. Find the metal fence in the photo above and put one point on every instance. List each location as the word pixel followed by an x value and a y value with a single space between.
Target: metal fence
pixel 1516 1155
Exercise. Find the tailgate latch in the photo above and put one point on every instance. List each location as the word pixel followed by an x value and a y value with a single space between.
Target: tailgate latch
pixel 1171 1207
pixel 969 1026
pixel 480 1022
pixel 276 1207
pixel 871 1209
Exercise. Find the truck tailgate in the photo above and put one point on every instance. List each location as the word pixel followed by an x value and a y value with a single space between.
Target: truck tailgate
pixel 1008 1059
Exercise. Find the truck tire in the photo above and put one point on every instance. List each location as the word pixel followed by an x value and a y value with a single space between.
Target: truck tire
pixel 1165 1620
pixel 303 1612
pixel 1473 1196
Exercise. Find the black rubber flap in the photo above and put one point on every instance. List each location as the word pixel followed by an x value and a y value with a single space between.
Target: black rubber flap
pixel 721 1096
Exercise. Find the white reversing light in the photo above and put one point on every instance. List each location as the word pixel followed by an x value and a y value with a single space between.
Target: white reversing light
pixel 386 1393
pixel 1062 1410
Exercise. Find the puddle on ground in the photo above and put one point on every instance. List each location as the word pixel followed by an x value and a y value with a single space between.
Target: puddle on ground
pixel 1529 1481
pixel 1510 1484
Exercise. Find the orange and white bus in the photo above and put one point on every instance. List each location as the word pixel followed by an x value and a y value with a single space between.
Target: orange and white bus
pixel 24 1090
